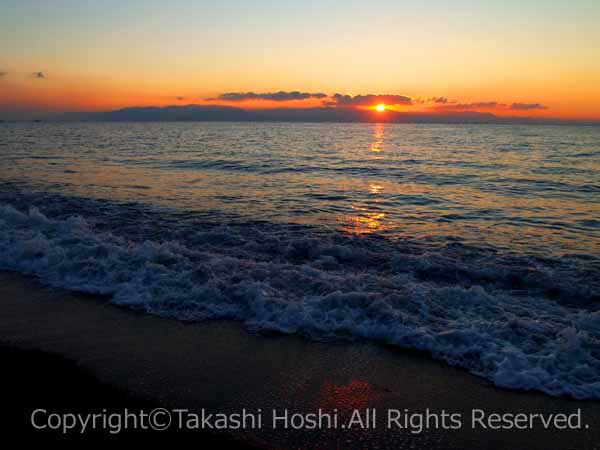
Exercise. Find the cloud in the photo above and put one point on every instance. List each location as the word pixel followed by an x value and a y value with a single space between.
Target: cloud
pixel 438 100
pixel 280 96
pixel 493 105
pixel 476 105
pixel 439 103
pixel 368 99
pixel 333 100
pixel 434 100
pixel 38 75
pixel 527 106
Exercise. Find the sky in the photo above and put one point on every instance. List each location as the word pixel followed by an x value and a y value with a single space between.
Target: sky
pixel 509 57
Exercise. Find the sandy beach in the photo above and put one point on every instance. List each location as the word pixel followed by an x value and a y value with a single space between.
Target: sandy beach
pixel 63 350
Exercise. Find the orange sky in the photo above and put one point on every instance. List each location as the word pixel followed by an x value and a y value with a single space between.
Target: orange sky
pixel 110 55
pixel 80 94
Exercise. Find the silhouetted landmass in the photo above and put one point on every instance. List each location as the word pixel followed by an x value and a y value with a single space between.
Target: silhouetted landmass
pixel 217 113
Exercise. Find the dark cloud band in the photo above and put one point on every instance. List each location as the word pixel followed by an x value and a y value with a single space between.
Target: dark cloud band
pixel 369 99
pixel 345 100
pixel 476 105
pixel 527 106
pixel 494 105
pixel 280 96
pixel 37 75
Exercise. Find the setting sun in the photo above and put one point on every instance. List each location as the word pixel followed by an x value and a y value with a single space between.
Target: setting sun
pixel 380 107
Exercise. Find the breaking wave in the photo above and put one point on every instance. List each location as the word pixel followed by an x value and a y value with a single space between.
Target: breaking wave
pixel 520 322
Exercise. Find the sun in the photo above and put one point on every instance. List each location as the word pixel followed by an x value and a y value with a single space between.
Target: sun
pixel 380 107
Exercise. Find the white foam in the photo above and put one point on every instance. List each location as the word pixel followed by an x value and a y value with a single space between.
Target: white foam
pixel 320 289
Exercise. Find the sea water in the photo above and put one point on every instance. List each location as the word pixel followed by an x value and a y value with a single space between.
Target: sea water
pixel 478 244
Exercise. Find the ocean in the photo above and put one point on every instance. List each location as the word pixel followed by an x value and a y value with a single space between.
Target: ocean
pixel 477 244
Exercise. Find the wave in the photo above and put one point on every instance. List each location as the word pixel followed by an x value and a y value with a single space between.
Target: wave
pixel 522 323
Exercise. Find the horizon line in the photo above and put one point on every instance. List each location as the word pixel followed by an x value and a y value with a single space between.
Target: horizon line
pixel 315 114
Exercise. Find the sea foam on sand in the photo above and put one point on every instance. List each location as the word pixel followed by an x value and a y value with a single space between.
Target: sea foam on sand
pixel 468 314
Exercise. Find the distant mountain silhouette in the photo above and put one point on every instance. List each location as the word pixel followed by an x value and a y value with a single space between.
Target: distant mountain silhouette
pixel 219 113
pixel 168 113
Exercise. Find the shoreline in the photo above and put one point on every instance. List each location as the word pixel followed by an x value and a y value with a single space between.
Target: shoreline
pixel 131 358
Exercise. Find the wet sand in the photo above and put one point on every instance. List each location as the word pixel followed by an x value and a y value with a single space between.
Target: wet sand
pixel 32 379
pixel 61 350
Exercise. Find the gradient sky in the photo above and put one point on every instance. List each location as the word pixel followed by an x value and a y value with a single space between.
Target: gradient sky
pixel 67 55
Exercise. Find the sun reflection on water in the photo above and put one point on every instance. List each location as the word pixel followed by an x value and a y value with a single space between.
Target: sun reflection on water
pixel 364 222
pixel 368 218
pixel 403 180
pixel 375 188
pixel 378 132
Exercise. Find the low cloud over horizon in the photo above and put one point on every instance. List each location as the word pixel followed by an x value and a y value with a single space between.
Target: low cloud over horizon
pixel 38 75
pixel 280 96
pixel 527 106
pixel 336 99
pixel 492 105
pixel 439 103
pixel 368 100
pixel 303 102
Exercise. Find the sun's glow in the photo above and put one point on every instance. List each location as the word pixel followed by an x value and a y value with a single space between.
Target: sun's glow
pixel 380 107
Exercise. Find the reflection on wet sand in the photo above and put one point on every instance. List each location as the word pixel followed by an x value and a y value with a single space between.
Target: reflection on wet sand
pixel 357 394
